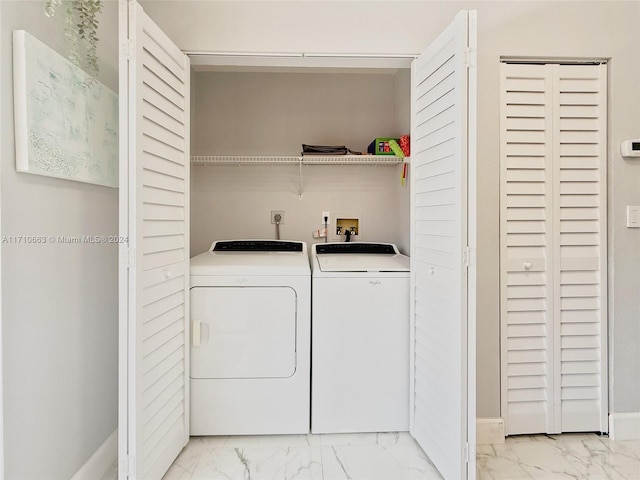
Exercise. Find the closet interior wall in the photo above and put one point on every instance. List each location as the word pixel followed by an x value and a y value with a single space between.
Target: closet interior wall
pixel 265 113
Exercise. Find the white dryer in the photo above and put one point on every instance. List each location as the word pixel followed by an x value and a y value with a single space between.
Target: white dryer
pixel 250 354
pixel 360 338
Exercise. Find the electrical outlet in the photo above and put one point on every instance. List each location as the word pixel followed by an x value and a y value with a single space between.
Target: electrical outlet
pixel 275 218
pixel 328 217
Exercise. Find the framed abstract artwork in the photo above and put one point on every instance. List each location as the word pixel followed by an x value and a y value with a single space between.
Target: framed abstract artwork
pixel 66 122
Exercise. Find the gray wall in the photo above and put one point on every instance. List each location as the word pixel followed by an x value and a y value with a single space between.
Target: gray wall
pixel 59 302
pixel 521 28
pixel 272 114
pixel 583 29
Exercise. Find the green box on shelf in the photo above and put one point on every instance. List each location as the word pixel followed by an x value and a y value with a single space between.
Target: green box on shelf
pixel 380 146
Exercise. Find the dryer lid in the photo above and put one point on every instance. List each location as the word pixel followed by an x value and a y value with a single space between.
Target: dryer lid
pixel 253 257
pixel 257 246
pixel 245 332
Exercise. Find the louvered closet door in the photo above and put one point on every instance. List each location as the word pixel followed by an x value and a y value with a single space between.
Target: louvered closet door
pixel 155 272
pixel 527 248
pixel 580 235
pixel 553 248
pixel 443 212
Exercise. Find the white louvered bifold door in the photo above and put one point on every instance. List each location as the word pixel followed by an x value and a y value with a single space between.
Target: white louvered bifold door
pixel 553 248
pixel 526 248
pixel 154 403
pixel 442 235
pixel 580 277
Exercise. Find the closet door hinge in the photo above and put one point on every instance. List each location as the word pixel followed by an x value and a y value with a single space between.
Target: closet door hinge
pixel 469 452
pixel 127 467
pixel 470 57
pixel 469 257
pixel 128 257
pixel 129 49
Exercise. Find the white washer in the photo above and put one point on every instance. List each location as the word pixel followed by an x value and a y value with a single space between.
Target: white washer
pixel 360 338
pixel 250 354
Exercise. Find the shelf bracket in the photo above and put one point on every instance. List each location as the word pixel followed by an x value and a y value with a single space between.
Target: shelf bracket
pixel 300 178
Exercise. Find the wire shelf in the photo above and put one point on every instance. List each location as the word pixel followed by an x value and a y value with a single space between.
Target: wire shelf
pixel 304 160
pixel 239 160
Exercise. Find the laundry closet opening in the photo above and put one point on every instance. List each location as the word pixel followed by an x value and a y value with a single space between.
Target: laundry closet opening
pixel 248 124
pixel 443 88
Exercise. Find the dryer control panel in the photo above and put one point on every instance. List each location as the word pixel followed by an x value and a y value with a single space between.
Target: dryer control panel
pixel 256 246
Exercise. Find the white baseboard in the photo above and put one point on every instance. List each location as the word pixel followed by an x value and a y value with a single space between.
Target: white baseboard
pixel 624 426
pixel 489 431
pixel 101 461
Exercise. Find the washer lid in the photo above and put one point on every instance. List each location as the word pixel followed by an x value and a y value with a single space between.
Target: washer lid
pixel 360 257
pixel 355 247
pixel 363 263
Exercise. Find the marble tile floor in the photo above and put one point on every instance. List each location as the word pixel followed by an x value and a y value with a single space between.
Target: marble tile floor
pixel 571 456
pixel 396 456
pixel 375 456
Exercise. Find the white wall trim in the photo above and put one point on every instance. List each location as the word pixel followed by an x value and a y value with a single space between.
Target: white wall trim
pixel 624 426
pixel 1 353
pixel 101 461
pixel 489 431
